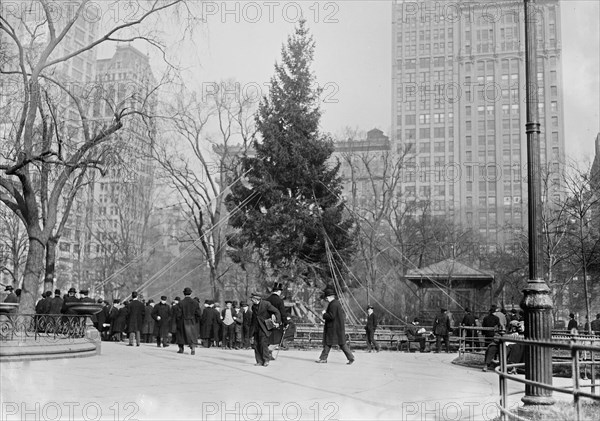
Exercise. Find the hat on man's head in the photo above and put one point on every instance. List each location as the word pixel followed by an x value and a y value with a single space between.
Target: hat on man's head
pixel 8 288
pixel 100 301
pixel 57 292
pixel 163 298
pixel 467 310
pixel 416 320
pixel 84 291
pixel 277 286
pixel 228 301
pixel 243 304
pixel 572 316
pixel 72 290
pixel 187 291
pixel 134 294
pixel 150 301
pixel 116 301
pixel 442 309
pixel 369 307
pixel 235 303
pixel 493 308
pixel 328 291
pixel 256 294
pixel 176 299
pixel 207 302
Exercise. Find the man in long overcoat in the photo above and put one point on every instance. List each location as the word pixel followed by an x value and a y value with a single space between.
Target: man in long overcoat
pixel 334 332
pixel 441 330
pixel 370 329
pixel 135 319
pixel 173 327
pixel 162 314
pixel 187 313
pixel 261 311
pixel 246 325
pixel 148 326
pixel 206 325
pixel 277 301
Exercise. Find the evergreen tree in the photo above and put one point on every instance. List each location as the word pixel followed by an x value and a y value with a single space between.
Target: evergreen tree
pixel 289 203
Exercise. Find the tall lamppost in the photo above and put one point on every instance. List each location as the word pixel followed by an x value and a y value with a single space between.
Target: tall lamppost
pixel 536 302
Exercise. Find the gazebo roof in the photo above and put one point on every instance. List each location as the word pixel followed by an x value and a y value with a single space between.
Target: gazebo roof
pixel 449 269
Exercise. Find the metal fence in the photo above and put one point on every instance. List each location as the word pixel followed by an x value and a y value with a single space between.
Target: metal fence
pixel 581 353
pixel 38 327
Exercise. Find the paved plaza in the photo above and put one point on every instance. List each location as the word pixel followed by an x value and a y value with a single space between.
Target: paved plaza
pixel 150 383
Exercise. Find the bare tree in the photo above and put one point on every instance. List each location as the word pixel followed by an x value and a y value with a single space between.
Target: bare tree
pixel 199 165
pixel 46 153
pixel 13 246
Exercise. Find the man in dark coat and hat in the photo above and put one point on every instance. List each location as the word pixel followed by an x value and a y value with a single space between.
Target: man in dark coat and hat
pixel 370 329
pixel 162 314
pixel 334 332
pixel 206 325
pixel 246 316
pixel 187 313
pixel 135 319
pixel 83 296
pixel 469 321
pixel 261 311
pixel 277 302
pixel 11 297
pixel 490 321
pixel 56 303
pixel 441 330
pixel 70 298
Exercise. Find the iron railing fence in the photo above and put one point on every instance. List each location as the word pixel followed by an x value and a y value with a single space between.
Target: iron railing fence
pixel 583 353
pixel 40 327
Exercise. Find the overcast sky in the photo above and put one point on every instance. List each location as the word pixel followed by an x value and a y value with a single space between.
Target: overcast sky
pixel 353 58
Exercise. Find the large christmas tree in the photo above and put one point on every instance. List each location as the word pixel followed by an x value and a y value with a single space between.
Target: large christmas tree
pixel 288 205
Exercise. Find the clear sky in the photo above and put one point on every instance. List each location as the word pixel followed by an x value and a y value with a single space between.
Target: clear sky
pixel 242 40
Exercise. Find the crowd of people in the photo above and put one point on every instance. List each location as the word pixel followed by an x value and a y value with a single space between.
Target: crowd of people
pixel 262 324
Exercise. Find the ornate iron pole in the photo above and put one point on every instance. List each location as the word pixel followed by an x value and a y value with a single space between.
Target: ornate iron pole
pixel 536 303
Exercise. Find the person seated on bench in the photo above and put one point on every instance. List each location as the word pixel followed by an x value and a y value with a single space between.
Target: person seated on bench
pixel 514 351
pixel 416 333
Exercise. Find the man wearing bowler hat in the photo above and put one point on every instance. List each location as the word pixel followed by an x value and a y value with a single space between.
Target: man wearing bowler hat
pixel 187 314
pixel 161 313
pixel 262 310
pixel 84 296
pixel 11 297
pixel 334 332
pixel 441 330
pixel 56 303
pixel 70 298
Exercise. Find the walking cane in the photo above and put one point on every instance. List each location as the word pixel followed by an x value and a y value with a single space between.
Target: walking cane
pixel 282 339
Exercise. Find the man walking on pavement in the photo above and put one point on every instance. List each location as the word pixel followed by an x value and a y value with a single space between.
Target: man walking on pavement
pixel 334 332
pixel 262 310
pixel 187 313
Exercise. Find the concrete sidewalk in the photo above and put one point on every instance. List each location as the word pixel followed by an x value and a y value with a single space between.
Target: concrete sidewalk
pixel 150 383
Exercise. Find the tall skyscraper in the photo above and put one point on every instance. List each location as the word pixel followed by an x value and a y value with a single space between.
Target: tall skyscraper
pixel 458 107
pixel 119 200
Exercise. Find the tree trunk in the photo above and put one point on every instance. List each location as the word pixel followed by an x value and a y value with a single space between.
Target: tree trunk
pixel 34 268
pixel 50 263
